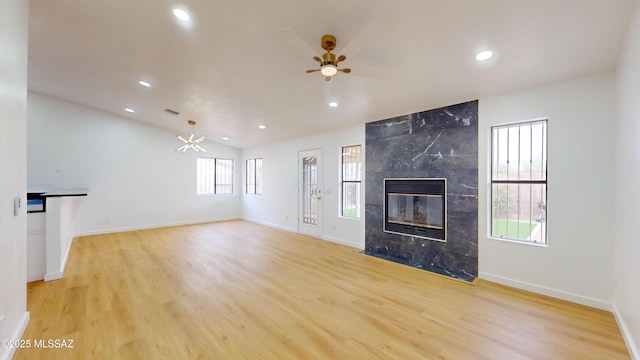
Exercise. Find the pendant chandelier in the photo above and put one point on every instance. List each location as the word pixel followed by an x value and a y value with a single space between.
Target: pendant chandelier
pixel 191 143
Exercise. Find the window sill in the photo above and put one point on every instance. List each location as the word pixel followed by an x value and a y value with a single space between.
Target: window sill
pixel 349 218
pixel 518 241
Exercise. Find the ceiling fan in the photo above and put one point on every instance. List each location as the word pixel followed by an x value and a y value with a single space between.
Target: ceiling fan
pixel 329 62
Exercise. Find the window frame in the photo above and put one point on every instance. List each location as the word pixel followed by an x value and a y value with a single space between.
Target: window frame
pixel 212 187
pixel 341 213
pixel 543 182
pixel 255 187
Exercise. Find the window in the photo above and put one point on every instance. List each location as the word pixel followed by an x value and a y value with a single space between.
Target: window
pixel 254 176
pixel 351 180
pixel 214 176
pixel 519 181
pixel 224 176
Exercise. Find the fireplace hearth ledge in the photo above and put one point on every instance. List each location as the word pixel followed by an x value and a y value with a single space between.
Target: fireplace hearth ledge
pixel 463 278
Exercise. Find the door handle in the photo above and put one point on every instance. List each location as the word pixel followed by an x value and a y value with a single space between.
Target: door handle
pixel 318 198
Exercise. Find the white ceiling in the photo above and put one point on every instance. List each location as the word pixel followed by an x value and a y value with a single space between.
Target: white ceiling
pixel 232 68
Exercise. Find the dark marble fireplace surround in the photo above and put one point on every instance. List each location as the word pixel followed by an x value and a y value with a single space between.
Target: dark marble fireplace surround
pixel 439 143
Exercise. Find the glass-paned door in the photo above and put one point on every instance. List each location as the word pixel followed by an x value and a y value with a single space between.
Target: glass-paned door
pixel 310 192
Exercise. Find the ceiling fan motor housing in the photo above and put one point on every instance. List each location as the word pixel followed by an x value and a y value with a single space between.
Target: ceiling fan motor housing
pixel 328 42
pixel 328 58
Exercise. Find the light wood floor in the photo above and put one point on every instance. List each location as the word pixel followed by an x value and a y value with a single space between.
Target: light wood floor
pixel 237 290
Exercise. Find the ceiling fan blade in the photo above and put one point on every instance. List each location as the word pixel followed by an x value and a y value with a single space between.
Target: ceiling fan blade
pixel 310 71
pixel 290 36
pixel 346 71
pixel 342 58
pixel 368 35
pixel 316 58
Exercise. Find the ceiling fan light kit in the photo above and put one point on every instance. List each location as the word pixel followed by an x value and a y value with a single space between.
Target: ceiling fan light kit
pixel 329 62
pixel 329 70
pixel 191 143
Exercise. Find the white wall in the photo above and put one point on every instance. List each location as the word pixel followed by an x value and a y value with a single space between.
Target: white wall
pixel 135 178
pixel 577 265
pixel 13 176
pixel 278 204
pixel 627 191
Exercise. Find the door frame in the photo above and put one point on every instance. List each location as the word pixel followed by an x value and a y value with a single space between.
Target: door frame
pixel 316 230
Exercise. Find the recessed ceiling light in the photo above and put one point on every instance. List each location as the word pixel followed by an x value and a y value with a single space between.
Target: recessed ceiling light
pixel 484 55
pixel 225 138
pixel 144 83
pixel 262 127
pixel 181 14
pixel 129 110
pixel 333 104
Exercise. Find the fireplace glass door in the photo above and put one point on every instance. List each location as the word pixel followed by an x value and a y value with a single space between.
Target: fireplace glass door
pixel 416 207
pixel 416 210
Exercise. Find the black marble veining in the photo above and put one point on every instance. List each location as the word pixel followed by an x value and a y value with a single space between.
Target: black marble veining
pixel 439 143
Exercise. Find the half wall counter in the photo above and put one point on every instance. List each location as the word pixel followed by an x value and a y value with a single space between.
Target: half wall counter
pixel 50 231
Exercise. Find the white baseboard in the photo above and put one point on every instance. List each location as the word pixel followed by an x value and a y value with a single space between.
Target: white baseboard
pixel 35 277
pixel 273 225
pixel 294 230
pixel 559 294
pixel 58 274
pixel 147 227
pixel 352 244
pixel 7 354
pixel 53 276
pixel 634 351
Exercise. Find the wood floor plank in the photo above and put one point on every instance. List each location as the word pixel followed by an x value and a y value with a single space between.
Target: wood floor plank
pixel 239 290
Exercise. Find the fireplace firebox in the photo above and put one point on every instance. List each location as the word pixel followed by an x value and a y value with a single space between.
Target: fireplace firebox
pixel 416 207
